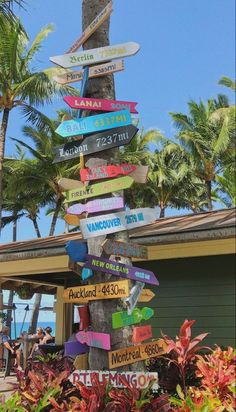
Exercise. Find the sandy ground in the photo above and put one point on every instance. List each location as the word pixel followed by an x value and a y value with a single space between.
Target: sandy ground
pixel 7 386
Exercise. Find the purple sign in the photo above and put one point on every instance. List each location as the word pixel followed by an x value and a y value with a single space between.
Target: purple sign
pixel 120 269
pixel 97 205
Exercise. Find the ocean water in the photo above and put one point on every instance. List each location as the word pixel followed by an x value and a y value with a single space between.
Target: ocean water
pixel 18 327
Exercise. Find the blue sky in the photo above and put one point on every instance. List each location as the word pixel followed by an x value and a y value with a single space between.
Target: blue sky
pixel 186 46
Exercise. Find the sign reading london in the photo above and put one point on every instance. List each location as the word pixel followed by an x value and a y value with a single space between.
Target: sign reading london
pixel 106 105
pixel 95 143
pixel 101 54
pixel 91 124
pixel 116 222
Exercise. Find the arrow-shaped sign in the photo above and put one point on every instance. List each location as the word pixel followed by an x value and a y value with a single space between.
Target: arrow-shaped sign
pixel 95 143
pixel 92 56
pixel 116 222
pixel 77 250
pixel 97 205
pixel 146 295
pixel 108 290
pixel 104 172
pixel 121 319
pixel 88 103
pixel 91 124
pixel 92 27
pixel 132 300
pixel 74 220
pixel 120 269
pixel 99 189
pixel 133 250
pixel 141 333
pixel 95 339
pixel 96 71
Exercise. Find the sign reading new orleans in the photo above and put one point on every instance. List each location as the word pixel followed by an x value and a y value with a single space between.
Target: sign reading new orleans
pixel 95 71
pixel 111 290
pixel 99 104
pixel 133 250
pixel 104 172
pixel 97 205
pixel 95 143
pixel 91 124
pixel 94 339
pixel 116 222
pixel 92 27
pixel 101 54
pixel 134 354
pixel 98 189
pixel 120 269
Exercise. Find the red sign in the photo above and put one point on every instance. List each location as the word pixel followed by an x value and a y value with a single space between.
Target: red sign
pixel 141 333
pixel 104 172
pixel 103 105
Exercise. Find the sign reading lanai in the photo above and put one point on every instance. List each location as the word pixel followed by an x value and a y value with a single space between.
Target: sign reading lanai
pixel 99 104
pixel 101 54
pixel 95 143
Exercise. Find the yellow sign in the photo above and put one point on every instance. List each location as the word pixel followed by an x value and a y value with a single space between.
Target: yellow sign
pixel 146 295
pixel 111 290
pixel 134 354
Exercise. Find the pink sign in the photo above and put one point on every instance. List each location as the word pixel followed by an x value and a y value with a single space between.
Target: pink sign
pixel 99 104
pixel 95 339
pixel 98 205
pixel 104 172
pixel 141 333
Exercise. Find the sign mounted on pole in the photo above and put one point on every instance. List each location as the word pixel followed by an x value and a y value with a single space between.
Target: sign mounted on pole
pixel 116 222
pixel 77 250
pixel 141 333
pixel 98 189
pixel 95 339
pixel 121 319
pixel 132 250
pixel 111 290
pixel 92 27
pixel 91 124
pixel 95 71
pixel 120 269
pixel 146 295
pixel 97 205
pixel 134 354
pixel 99 104
pixel 96 143
pixel 99 55
pixel 132 300
pixel 104 172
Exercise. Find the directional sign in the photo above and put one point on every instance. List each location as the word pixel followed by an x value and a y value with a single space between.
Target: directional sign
pixel 95 339
pixel 98 189
pixel 73 220
pixel 91 124
pixel 139 380
pixel 95 71
pixel 132 300
pixel 141 333
pixel 77 250
pixel 88 103
pixel 81 362
pixel 133 250
pixel 120 319
pixel 134 354
pixel 116 222
pixel 111 290
pixel 104 172
pixel 92 27
pixel 97 205
pixel 95 143
pixel 140 174
pixel 120 269
pixel 92 56
pixel 68 184
pixel 146 295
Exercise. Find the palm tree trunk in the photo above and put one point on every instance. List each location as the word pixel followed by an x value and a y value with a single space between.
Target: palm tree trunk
pixel 35 223
pixel 14 228
pixel 101 311
pixel 55 216
pixel 208 185
pixel 35 313
pixel 3 131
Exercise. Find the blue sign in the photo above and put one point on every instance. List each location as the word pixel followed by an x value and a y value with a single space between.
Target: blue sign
pixel 96 123
pixel 77 250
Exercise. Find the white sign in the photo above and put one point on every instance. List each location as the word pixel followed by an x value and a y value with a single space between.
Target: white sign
pixel 138 379
pixel 132 300
pixel 116 222
pixel 101 54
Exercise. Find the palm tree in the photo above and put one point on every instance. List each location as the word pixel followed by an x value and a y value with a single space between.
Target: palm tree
pixel 203 136
pixel 227 82
pixel 20 86
pixel 226 188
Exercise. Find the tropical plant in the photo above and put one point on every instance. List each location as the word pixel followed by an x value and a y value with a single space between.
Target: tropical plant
pixel 13 403
pixel 195 401
pixel 226 188
pixel 227 82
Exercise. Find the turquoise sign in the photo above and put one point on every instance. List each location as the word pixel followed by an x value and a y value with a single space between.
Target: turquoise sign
pixel 96 123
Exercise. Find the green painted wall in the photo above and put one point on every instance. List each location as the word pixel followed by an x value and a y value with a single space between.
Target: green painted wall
pixel 200 288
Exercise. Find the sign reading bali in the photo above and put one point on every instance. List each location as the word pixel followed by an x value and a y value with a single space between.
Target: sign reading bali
pixel 99 104
pixel 96 143
pixel 91 124
pixel 138 379
pixel 116 222
pixel 111 290
pixel 134 354
pixel 101 54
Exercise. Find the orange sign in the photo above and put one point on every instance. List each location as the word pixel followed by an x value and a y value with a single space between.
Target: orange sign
pixel 134 354
pixel 111 290
pixel 146 295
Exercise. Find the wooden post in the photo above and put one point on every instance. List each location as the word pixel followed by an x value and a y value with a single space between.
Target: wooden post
pixel 60 324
